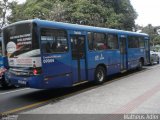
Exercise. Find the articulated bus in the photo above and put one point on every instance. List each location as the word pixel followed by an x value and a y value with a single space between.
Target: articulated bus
pixel 44 54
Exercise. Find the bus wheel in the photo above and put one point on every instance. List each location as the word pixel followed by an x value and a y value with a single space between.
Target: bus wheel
pixel 4 83
pixel 100 75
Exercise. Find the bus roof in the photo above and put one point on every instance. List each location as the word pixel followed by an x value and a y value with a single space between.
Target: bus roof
pixel 69 26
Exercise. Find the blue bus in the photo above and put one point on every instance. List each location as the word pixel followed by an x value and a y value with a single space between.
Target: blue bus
pixel 3 67
pixel 45 54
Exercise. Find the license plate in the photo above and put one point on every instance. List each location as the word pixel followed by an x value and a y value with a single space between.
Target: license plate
pixel 22 82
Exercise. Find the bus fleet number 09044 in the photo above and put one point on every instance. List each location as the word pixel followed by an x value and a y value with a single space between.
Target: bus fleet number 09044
pixel 48 60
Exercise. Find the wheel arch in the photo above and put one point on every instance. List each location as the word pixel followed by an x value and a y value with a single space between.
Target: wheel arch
pixel 102 65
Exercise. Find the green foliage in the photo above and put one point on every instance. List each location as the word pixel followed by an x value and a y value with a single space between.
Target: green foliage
pixel 1 8
pixel 154 37
pixel 156 40
pixel 105 13
pixel 4 4
pixel 84 12
pixel 17 12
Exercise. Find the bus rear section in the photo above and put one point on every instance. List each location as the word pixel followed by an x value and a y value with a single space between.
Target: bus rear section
pixel 38 57
pixel 21 47
pixel 56 58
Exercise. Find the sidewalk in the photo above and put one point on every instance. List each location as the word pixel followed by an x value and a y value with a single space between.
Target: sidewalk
pixel 138 93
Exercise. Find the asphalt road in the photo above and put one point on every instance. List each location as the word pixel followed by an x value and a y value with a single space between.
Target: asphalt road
pixel 23 99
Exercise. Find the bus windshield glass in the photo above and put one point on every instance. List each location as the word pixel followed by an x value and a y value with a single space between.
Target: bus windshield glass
pixel 19 40
pixel 21 44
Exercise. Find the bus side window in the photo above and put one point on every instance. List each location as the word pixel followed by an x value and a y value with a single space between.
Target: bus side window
pixel 53 46
pixel 48 47
pixel 141 42
pixel 133 42
pixel 90 40
pixel 112 41
pixel 99 41
pixel 54 41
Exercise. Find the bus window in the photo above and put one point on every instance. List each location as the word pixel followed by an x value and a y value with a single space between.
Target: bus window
pixel 112 41
pixel 90 40
pixel 141 42
pixel 133 42
pixel 78 47
pixel 20 40
pixel 54 41
pixel 99 41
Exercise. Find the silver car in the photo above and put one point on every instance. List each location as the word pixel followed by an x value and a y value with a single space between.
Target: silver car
pixel 154 58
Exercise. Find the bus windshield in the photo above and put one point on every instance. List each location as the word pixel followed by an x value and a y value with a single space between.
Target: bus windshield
pixel 21 44
pixel 19 41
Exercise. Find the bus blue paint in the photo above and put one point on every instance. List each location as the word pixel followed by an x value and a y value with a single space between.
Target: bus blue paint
pixel 77 63
pixel 3 67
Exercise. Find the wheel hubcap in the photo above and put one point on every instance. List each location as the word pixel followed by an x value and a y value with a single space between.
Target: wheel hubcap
pixel 100 76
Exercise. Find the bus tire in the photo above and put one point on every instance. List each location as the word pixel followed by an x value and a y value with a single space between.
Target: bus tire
pixel 100 75
pixel 4 83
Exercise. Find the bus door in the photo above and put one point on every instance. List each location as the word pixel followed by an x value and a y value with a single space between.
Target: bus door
pixel 78 58
pixel 123 53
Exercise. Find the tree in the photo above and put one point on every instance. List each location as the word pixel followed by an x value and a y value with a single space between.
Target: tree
pixel 17 12
pixel 128 14
pixel 3 12
pixel 154 37
pixel 156 40
pixel 85 12
pixel 29 10
pixel 58 11
pixel 105 13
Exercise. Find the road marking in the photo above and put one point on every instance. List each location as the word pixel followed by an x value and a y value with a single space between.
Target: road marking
pixel 38 104
pixel 14 91
pixel 24 108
